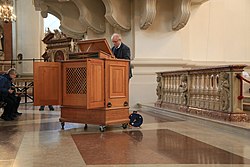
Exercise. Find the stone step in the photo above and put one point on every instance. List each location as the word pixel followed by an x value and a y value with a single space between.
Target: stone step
pixel 246 103
pixel 246 106
pixel 241 128
pixel 246 99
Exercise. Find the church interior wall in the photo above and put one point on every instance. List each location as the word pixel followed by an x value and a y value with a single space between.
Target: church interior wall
pixel 219 32
pixel 216 33
pixel 159 40
pixel 158 48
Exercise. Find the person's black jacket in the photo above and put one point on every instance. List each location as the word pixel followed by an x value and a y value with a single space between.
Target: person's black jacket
pixel 5 84
pixel 123 52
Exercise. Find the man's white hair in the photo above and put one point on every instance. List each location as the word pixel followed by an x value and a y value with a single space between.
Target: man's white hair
pixel 116 35
pixel 12 71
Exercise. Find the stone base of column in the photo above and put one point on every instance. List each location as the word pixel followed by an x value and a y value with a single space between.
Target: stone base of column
pixel 158 103
pixel 234 117
pixel 216 115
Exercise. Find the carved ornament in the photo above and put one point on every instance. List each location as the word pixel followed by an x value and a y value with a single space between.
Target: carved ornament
pixel 182 10
pixel 198 2
pixel 181 13
pixel 92 14
pixel 72 34
pixel 118 13
pixel 148 13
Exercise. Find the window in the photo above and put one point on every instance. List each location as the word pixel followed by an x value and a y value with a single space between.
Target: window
pixel 51 22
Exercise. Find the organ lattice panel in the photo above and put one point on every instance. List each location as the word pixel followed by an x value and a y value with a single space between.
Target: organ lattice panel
pixel 76 80
pixel 74 83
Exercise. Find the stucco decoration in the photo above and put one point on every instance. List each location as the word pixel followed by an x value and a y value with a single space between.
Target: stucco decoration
pixel 118 13
pixel 70 24
pixel 182 10
pixel 181 13
pixel 198 2
pixel 159 87
pixel 224 90
pixel 91 14
pixel 37 4
pixel 148 11
pixel 184 89
pixel 77 16
pixel 72 34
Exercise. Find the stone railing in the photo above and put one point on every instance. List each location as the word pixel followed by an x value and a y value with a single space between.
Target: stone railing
pixel 213 92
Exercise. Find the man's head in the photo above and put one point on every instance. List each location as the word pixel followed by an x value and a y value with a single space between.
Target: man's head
pixel 12 73
pixel 116 39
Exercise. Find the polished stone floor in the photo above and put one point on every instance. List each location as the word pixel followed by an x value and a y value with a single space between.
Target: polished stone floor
pixel 35 139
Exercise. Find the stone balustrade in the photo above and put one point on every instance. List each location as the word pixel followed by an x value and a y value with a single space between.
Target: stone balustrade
pixel 213 92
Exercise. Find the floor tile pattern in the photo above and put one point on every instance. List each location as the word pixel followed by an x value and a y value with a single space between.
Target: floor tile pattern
pixel 36 139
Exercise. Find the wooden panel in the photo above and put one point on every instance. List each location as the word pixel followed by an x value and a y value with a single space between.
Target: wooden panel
pixel 7 30
pixel 74 83
pixel 117 75
pixel 114 116
pixel 95 45
pixel 95 86
pixel 82 115
pixel 95 116
pixel 47 83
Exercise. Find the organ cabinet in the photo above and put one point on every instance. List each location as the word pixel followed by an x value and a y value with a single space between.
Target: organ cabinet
pixel 91 89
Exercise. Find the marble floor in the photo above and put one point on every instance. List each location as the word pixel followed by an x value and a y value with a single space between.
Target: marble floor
pixel 35 139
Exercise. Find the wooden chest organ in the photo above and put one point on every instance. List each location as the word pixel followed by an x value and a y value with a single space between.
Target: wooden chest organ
pixel 91 90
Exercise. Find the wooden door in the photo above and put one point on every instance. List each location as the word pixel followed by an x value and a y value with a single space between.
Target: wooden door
pixel 47 83
pixel 95 83
pixel 116 78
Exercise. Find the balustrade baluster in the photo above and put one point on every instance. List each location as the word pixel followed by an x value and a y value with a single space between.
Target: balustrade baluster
pixel 211 98
pixel 178 89
pixel 199 90
pixel 168 89
pixel 165 89
pixel 196 91
pixel 202 100
pixel 207 84
pixel 193 90
pixel 174 89
pixel 216 93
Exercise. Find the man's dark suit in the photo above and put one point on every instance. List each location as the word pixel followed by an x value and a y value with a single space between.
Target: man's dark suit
pixel 123 52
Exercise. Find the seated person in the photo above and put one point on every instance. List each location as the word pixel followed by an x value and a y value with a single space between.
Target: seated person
pixel 8 94
pixel 2 103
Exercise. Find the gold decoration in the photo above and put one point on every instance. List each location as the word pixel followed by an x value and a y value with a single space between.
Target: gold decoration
pixel 6 11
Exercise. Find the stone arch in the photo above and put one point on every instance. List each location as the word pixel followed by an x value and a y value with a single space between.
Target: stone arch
pixel 69 24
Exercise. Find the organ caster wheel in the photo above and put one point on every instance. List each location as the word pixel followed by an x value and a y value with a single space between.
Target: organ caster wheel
pixel 102 128
pixel 124 126
pixel 62 124
pixel 85 126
